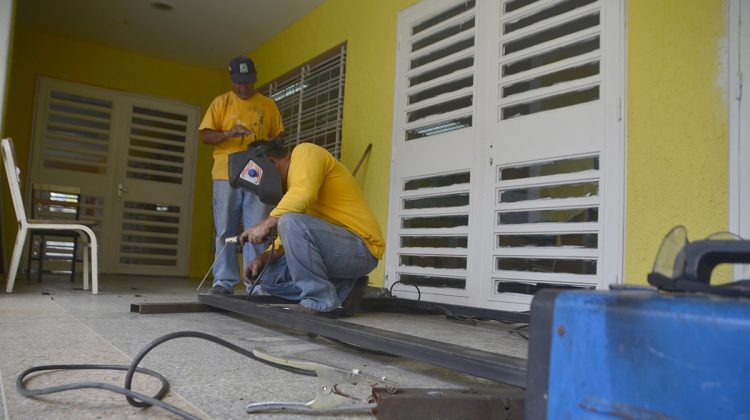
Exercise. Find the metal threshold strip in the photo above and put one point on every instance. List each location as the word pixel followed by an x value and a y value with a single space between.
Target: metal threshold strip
pixel 497 367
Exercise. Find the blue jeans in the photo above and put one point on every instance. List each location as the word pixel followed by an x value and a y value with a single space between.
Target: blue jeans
pixel 320 265
pixel 232 205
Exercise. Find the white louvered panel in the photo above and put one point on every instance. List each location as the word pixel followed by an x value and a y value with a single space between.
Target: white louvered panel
pixel 550 229
pixel 440 98
pixel 149 234
pixel 439 222
pixel 76 133
pixel 543 71
pixel 156 150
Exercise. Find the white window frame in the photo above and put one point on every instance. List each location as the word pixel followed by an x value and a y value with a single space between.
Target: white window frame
pixel 291 88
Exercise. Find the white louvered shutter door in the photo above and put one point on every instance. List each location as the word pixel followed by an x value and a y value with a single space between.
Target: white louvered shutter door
pixel 546 146
pixel 133 159
pixel 429 241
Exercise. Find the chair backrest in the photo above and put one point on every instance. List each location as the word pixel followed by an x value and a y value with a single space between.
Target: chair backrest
pixel 13 174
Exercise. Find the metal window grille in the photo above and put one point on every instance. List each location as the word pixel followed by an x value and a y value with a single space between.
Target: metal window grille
pixel 311 100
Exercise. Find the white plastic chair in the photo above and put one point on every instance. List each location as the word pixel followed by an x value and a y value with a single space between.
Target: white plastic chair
pixel 25 225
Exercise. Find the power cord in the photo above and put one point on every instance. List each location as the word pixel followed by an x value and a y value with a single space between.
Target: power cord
pixel 134 398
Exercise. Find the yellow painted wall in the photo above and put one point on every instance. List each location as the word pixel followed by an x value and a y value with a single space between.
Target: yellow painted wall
pixel 37 54
pixel 677 147
pixel 369 29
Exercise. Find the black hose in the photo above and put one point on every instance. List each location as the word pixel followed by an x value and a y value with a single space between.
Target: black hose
pixel 134 398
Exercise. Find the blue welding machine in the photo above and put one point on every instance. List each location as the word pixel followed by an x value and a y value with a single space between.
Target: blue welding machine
pixel 676 352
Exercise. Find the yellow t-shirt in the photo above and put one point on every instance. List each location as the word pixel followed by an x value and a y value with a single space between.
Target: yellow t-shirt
pixel 319 185
pixel 258 113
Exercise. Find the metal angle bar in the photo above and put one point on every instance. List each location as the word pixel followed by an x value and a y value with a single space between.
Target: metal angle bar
pixel 169 308
pixel 496 315
pixel 493 366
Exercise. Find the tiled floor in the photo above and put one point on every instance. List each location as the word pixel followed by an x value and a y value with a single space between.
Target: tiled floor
pixel 53 322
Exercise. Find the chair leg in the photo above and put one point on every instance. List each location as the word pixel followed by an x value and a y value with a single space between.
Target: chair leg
pixel 30 259
pixel 94 265
pixel 42 251
pixel 85 266
pixel 73 261
pixel 16 258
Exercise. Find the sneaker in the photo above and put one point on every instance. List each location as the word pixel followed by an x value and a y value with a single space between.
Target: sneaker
pixel 351 303
pixel 219 290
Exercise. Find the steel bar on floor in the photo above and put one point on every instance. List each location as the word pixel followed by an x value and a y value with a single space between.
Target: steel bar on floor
pixel 497 367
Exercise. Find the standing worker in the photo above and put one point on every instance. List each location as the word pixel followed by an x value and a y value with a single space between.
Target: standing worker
pixel 328 239
pixel 232 122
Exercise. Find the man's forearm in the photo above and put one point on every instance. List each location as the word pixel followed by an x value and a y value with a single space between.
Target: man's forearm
pixel 214 136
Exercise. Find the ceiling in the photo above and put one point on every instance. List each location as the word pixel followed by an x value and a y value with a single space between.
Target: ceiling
pixel 203 33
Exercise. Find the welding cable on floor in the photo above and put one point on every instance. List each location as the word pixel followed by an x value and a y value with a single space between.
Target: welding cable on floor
pixel 134 398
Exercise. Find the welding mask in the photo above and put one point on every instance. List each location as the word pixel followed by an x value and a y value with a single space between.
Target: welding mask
pixel 253 171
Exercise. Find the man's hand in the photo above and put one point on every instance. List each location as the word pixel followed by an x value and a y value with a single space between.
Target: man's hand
pixel 257 234
pixel 215 137
pixel 238 130
pixel 256 265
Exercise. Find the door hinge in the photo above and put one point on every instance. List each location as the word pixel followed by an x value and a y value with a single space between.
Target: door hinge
pixel 619 108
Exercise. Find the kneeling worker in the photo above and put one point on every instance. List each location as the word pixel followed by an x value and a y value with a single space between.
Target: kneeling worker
pixel 328 238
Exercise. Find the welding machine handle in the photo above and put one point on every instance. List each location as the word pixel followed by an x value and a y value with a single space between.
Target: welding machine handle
pixel 696 261
pixel 701 257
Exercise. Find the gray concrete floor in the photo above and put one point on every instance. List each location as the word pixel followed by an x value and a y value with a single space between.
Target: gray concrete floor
pixel 55 322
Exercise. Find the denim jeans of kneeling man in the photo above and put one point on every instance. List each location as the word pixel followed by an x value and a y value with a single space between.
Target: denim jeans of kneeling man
pixel 325 260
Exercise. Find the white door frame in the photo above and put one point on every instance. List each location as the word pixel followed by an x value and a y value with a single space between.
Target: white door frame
pixel 739 123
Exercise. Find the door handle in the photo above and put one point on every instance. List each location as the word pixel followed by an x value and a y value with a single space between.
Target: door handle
pixel 121 189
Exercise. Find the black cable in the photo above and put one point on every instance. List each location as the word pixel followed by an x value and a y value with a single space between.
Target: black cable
pixel 269 262
pixel 419 292
pixel 517 331
pixel 134 398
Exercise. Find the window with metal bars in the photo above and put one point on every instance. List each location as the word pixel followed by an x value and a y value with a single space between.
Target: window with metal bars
pixel 311 100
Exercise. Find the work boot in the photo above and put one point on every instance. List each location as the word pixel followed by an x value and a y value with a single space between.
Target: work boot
pixel 219 290
pixel 351 303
